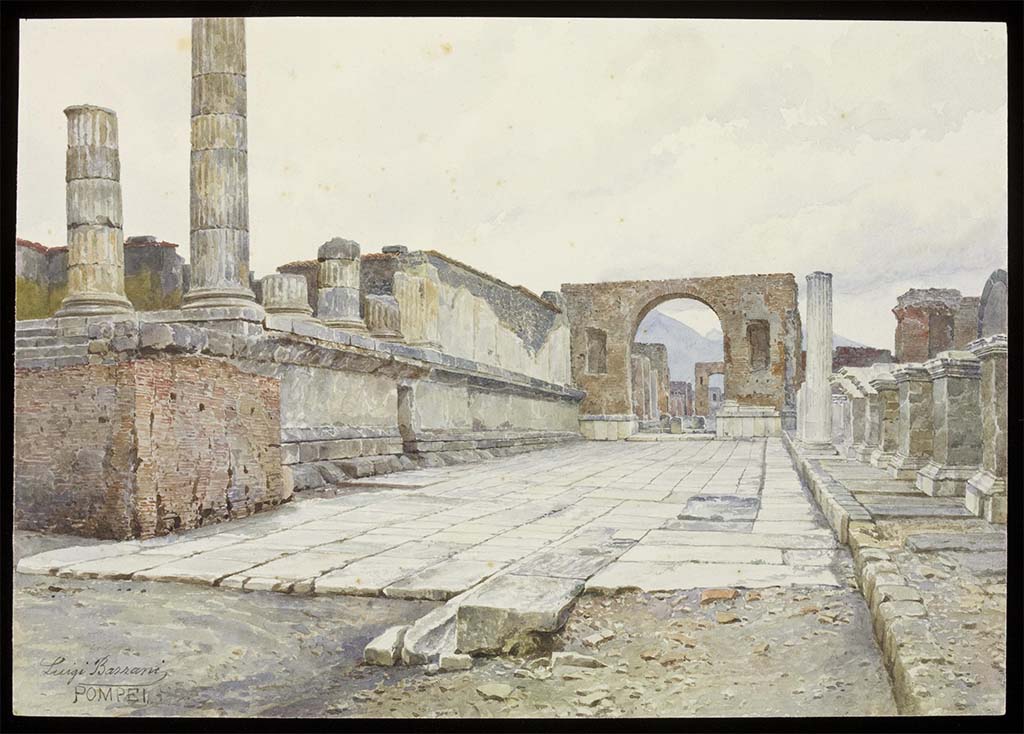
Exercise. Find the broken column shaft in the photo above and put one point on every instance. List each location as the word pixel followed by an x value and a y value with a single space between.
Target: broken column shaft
pixel 95 236
pixel 219 232
pixel 338 301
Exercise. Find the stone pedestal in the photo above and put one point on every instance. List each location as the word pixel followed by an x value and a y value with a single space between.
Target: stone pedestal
pixel 888 419
pixel 914 441
pixel 747 421
pixel 338 301
pixel 956 419
pixel 383 317
pixel 286 294
pixel 841 428
pixel 815 411
pixel 95 237
pixel 985 494
pixel 219 182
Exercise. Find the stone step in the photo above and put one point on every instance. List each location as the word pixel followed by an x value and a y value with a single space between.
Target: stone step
pixel 978 542
pixel 504 610
pixel 31 331
pixel 50 340
pixel 61 349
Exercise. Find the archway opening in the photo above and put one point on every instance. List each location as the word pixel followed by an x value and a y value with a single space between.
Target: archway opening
pixel 676 367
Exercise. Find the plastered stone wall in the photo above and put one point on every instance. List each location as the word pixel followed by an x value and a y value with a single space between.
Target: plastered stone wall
pixel 618 307
pixel 993 308
pixel 144 447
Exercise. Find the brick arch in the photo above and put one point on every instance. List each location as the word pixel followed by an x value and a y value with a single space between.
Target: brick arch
pixel 615 309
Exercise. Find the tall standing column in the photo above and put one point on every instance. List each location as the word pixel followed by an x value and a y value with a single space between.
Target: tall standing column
pixel 816 401
pixel 95 237
pixel 219 233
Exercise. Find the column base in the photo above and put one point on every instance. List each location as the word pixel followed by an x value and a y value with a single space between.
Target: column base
pixel 863 453
pixel 985 496
pixel 353 327
pixel 881 458
pixel 93 304
pixel 607 427
pixel 218 298
pixel 938 480
pixel 906 467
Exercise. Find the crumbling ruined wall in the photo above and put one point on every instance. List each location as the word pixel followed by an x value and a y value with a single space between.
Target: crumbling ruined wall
pixel 751 308
pixel 858 357
pixel 702 372
pixel 154 276
pixel 144 447
pixel 658 354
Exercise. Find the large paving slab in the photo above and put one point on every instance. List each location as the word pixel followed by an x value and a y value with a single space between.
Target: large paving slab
pixel 524 535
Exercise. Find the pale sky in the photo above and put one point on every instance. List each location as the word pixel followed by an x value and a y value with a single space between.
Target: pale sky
pixel 555 151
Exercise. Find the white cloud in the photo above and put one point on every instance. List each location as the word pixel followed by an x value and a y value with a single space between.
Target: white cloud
pixel 551 151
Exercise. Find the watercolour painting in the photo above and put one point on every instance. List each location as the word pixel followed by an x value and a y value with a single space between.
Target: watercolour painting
pixel 472 367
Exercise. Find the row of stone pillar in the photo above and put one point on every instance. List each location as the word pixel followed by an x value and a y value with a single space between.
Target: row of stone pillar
pixel 941 423
pixel 219 208
pixel 644 379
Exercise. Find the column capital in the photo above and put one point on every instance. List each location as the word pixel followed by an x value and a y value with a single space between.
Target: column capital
pixel 911 372
pixel 954 363
pixel 989 346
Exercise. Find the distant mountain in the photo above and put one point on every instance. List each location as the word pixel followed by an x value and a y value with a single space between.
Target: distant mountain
pixel 686 346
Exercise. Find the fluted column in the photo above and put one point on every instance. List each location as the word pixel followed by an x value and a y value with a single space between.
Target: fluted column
pixel 219 207
pixel 816 400
pixel 338 302
pixel 383 317
pixel 95 237
pixel 286 294
pixel 986 490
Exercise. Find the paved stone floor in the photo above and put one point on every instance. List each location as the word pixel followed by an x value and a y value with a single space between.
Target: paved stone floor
pixel 651 516
pixel 654 522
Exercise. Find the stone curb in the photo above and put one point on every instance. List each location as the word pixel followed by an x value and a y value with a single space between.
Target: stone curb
pixel 899 616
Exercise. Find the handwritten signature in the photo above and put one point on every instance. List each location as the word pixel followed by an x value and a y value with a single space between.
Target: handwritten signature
pixel 101 679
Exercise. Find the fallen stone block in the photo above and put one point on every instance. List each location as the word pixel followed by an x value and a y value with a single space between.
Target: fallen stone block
pixel 430 636
pixel 386 648
pixel 454 661
pixel 930 542
pixel 495 691
pixel 505 610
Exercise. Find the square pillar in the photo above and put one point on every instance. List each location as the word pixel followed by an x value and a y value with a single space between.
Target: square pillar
pixel 888 419
pixel 985 494
pixel 914 441
pixel 956 419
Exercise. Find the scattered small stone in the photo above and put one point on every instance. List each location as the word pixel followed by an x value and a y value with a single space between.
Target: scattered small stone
pixel 808 610
pixel 576 660
pixel 594 698
pixel 598 637
pixel 762 649
pixel 753 596
pixel 650 655
pixel 712 595
pixel 684 640
pixel 969 625
pixel 726 618
pixel 495 691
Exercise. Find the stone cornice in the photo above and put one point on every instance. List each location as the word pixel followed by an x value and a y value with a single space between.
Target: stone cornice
pixel 989 346
pixel 883 382
pixel 954 364
pixel 911 372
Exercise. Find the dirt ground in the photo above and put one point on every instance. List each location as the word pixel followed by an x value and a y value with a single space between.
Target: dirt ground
pixel 791 652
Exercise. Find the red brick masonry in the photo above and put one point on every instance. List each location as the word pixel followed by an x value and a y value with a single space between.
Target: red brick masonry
pixel 142 448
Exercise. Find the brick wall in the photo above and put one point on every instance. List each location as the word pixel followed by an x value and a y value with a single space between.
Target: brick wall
pixel 858 357
pixel 145 447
